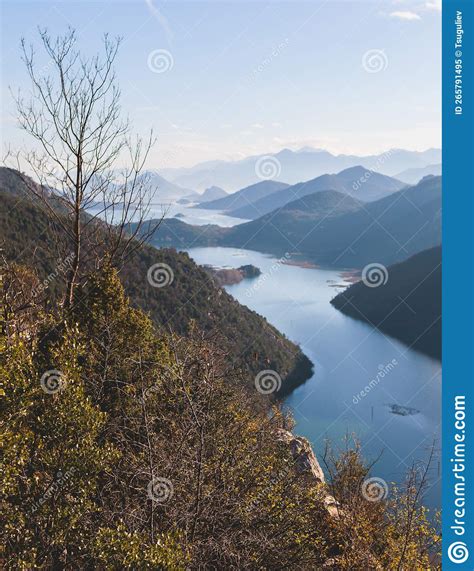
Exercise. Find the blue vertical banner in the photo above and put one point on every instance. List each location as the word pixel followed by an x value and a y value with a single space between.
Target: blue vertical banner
pixel 458 284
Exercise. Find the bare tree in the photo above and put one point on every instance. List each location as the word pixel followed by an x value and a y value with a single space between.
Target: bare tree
pixel 73 112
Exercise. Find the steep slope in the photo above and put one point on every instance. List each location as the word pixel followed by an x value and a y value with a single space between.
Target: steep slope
pixel 11 182
pixel 357 181
pixel 407 307
pixel 246 196
pixel 192 296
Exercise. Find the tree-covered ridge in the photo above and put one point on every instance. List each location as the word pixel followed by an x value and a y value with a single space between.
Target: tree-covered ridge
pixel 128 449
pixel 26 233
pixel 407 306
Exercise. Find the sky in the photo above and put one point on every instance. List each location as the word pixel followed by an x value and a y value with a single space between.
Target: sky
pixel 225 80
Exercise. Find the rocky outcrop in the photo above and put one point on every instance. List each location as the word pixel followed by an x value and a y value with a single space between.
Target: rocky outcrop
pixel 303 455
pixel 307 464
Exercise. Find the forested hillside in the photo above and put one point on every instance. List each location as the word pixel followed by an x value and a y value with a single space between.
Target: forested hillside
pixel 407 306
pixel 192 296
pixel 123 448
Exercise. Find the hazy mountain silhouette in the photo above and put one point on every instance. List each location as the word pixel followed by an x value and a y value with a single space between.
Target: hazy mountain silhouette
pixel 357 181
pixel 414 175
pixel 330 228
pixel 295 166
pixel 166 191
pixel 212 193
pixel 246 196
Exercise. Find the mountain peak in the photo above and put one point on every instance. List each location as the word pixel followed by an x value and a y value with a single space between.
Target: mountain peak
pixel 284 152
pixel 215 188
pixel 357 170
pixel 212 193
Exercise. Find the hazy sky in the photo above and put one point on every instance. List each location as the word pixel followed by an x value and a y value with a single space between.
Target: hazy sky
pixel 230 79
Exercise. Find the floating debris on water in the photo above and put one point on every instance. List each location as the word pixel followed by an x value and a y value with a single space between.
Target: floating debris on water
pixel 402 410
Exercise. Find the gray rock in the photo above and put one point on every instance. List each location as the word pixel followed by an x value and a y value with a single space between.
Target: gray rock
pixel 307 464
pixel 303 455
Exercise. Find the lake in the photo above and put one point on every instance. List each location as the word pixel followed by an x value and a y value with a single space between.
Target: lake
pixel 364 382
pixel 188 213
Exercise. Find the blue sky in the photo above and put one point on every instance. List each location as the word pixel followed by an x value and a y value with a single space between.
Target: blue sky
pixel 221 79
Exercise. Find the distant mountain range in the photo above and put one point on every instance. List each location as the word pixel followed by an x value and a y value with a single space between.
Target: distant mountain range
pixel 357 181
pixel 294 166
pixel 407 306
pixel 412 176
pixel 387 230
pixel 330 228
pixel 165 192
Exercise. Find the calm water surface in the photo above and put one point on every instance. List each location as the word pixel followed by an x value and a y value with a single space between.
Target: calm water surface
pixel 347 356
pixel 185 212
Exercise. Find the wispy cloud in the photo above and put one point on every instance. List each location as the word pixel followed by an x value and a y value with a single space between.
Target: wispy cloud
pixel 433 5
pixel 405 15
pixel 161 20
